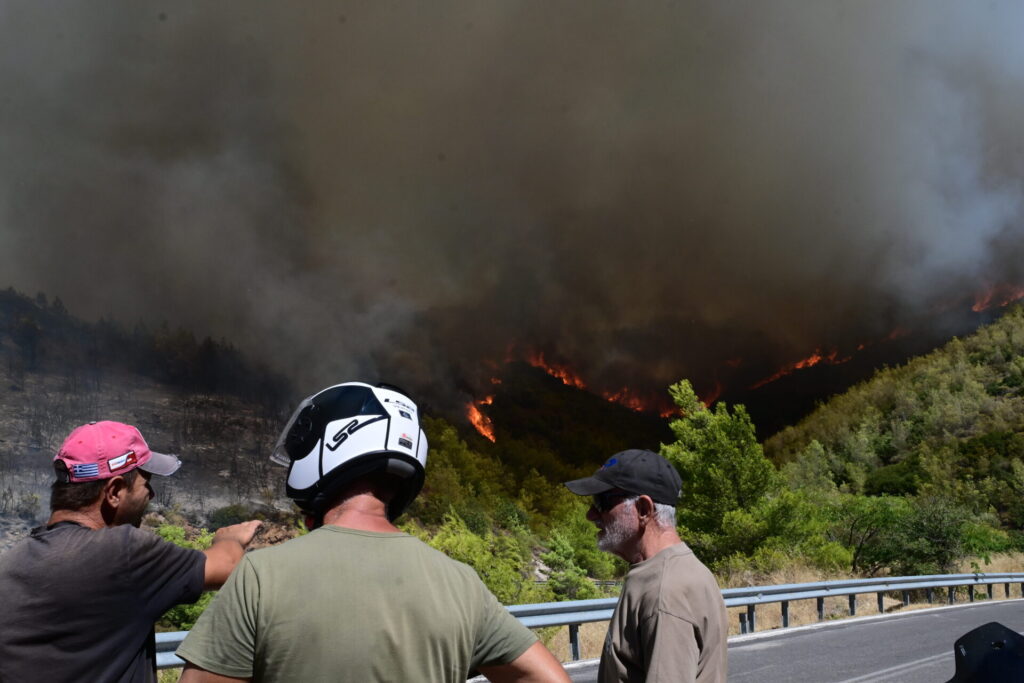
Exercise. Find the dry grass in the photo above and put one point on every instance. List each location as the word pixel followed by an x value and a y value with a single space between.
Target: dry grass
pixel 803 612
pixel 591 641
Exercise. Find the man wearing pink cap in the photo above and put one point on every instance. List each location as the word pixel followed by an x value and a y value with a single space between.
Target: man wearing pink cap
pixel 81 594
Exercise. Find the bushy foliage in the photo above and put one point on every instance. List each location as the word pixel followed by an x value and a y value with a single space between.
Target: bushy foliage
pixel 183 617
pixel 951 421
pixel 567 580
pixel 499 559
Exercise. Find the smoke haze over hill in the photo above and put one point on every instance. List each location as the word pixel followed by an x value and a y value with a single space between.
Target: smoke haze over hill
pixel 698 189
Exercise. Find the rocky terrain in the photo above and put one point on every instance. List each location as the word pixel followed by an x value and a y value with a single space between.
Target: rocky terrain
pixel 224 444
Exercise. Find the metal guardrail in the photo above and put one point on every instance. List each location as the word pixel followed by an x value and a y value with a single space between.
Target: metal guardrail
pixel 576 612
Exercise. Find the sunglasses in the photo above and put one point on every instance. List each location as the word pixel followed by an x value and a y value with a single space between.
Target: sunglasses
pixel 603 502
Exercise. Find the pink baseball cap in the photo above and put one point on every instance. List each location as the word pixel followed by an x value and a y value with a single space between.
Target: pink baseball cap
pixel 101 450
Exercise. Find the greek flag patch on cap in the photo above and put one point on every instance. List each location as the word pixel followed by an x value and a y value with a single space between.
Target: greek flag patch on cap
pixel 87 470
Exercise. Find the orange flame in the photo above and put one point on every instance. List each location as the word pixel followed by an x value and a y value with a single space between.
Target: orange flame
pixel 481 422
pixel 625 398
pixel 561 372
pixel 819 356
pixel 999 295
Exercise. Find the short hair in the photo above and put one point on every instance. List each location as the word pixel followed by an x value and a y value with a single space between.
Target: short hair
pixel 665 514
pixel 68 495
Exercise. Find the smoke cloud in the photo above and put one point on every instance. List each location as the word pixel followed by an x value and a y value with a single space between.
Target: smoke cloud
pixel 413 191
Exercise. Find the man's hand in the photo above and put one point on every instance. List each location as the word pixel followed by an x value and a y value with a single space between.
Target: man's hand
pixel 229 544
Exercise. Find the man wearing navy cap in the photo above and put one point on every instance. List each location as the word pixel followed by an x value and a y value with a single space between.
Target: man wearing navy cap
pixel 670 623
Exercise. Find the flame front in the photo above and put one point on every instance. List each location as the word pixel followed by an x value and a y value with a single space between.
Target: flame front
pixel 999 295
pixel 481 422
pixel 568 377
pixel 819 356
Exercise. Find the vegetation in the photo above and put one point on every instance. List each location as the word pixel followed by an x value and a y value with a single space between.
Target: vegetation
pixel 907 473
pixel 183 617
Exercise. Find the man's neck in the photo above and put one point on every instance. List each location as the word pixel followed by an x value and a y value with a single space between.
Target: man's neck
pixel 654 541
pixel 89 517
pixel 363 512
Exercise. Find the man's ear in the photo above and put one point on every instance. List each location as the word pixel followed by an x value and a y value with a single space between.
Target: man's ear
pixel 645 508
pixel 114 491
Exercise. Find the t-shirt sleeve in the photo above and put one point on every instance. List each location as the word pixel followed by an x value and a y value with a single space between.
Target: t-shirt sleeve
pixel 224 638
pixel 164 574
pixel 501 637
pixel 671 651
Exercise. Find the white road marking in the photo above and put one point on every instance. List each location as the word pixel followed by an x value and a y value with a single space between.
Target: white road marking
pixel 899 669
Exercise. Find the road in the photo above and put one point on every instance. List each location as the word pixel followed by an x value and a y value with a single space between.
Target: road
pixel 914 647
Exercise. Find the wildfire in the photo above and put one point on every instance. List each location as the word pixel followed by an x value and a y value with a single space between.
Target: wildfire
pixel 563 373
pixel 819 356
pixel 1000 295
pixel 626 398
pixel 481 422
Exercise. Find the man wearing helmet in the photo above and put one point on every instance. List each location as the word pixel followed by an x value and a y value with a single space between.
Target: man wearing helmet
pixel 356 598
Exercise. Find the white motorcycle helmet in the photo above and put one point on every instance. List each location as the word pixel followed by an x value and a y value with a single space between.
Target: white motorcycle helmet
pixel 347 431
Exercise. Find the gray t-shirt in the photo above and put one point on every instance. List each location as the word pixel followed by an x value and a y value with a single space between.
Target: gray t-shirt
pixel 670 623
pixel 79 604
pixel 346 605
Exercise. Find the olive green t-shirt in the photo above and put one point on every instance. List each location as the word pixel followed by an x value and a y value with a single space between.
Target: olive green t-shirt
pixel 670 623
pixel 345 605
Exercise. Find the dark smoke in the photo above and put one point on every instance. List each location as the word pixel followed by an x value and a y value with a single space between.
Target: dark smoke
pixel 644 191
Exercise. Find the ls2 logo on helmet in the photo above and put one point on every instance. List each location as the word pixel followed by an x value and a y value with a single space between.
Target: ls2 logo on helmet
pixel 348 430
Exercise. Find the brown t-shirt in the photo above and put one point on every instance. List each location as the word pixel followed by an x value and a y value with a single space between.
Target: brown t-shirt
pixel 670 623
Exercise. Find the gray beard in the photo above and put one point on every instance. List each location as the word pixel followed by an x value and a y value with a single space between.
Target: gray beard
pixel 615 536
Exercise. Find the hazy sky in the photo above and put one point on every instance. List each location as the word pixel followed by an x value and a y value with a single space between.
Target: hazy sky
pixel 644 191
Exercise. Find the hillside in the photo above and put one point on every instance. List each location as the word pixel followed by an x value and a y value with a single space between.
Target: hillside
pixel 950 421
pixel 900 474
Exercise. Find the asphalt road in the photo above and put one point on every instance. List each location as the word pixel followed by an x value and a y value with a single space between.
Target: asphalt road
pixel 915 647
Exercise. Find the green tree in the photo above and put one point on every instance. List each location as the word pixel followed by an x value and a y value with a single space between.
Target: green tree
pixel 868 527
pixel 567 580
pixel 722 466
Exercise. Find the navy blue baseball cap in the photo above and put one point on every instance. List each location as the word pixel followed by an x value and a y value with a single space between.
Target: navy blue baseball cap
pixel 636 471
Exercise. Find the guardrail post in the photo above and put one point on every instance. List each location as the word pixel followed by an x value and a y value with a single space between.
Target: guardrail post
pixel 952 589
pixel 970 592
pixel 990 589
pixel 752 617
pixel 931 595
pixel 574 641
pixel 1006 587
pixel 852 597
pixel 785 614
pixel 821 608
pixel 743 622
pixel 881 603
pixel 906 598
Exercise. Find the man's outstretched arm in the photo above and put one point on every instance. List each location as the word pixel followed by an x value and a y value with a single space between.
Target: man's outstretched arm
pixel 536 665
